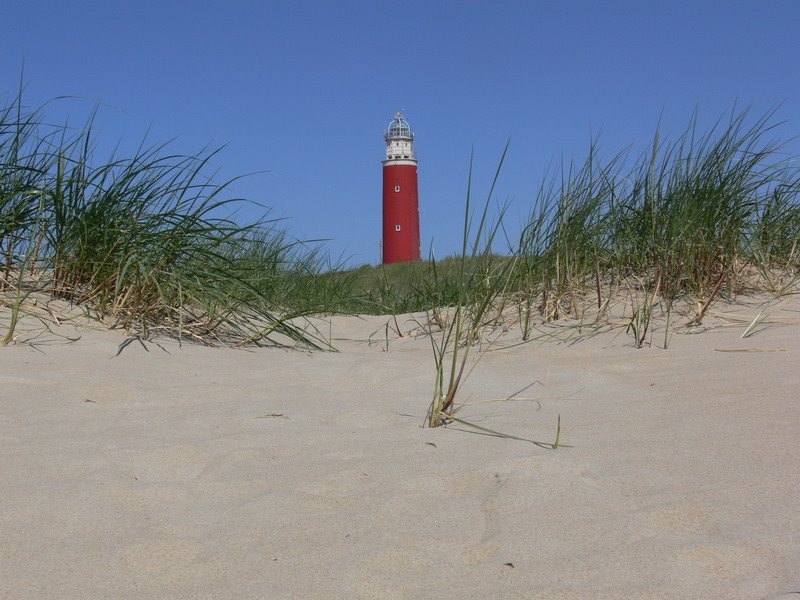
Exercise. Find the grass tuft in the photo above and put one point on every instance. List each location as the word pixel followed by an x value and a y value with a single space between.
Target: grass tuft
pixel 145 242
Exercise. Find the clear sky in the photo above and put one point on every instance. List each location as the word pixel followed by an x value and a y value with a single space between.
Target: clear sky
pixel 304 89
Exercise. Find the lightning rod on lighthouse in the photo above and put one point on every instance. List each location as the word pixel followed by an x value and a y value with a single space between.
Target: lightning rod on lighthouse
pixel 400 194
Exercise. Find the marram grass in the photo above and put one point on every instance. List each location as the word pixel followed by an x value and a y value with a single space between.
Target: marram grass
pixel 146 242
pixel 143 241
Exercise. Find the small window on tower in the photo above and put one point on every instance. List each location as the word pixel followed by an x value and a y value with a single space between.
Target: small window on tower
pixel 397 189
pixel 397 227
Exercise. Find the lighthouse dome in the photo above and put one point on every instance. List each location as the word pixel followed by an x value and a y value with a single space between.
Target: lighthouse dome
pixel 399 128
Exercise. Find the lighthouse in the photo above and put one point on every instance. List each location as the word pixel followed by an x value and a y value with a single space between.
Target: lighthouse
pixel 400 194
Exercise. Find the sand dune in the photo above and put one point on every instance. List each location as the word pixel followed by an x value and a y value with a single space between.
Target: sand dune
pixel 198 472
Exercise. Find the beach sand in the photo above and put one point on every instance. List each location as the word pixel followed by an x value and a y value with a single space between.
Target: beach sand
pixel 198 472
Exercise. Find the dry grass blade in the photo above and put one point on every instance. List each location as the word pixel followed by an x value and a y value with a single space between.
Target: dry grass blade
pixel 551 445
pixel 754 323
pixel 749 349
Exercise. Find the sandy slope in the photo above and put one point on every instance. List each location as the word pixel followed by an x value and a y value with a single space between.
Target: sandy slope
pixel 214 473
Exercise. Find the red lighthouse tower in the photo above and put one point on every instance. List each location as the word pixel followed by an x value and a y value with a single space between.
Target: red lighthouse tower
pixel 400 195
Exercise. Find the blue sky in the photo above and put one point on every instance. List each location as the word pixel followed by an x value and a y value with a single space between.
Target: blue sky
pixel 304 90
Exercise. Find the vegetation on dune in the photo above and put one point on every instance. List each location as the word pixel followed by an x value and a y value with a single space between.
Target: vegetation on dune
pixel 691 218
pixel 405 287
pixel 144 241
pixel 147 242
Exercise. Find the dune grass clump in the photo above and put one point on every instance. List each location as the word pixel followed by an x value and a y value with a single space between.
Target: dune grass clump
pixel 686 220
pixel 142 241
pixel 566 238
pixel 482 282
